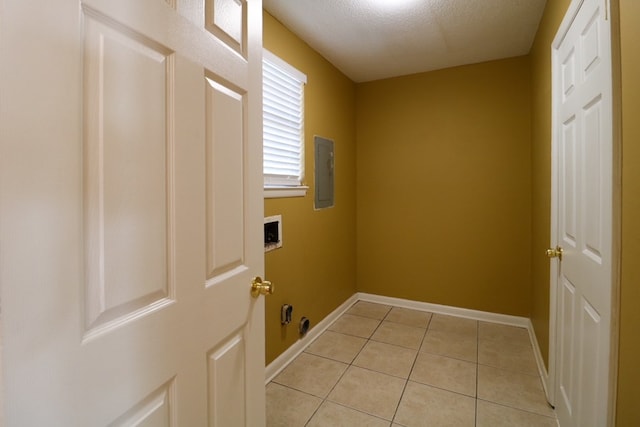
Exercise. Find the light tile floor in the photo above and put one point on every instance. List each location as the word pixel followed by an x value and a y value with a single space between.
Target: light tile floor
pixel 379 365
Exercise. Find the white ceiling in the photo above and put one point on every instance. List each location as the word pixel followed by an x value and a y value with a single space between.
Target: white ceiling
pixel 375 39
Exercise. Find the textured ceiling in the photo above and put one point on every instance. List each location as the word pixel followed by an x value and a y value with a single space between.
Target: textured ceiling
pixel 375 39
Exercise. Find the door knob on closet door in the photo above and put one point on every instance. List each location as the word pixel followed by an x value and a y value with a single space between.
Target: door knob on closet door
pixel 555 252
pixel 259 286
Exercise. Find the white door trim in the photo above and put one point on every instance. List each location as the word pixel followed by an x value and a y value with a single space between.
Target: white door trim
pixel 568 19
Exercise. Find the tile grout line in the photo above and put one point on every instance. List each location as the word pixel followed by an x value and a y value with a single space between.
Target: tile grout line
pixel 528 411
pixel 406 383
pixel 395 411
pixel 507 370
pixel 326 398
pixel 349 365
pixel 369 339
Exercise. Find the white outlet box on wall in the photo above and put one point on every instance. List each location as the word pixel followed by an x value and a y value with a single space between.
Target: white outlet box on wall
pixel 272 232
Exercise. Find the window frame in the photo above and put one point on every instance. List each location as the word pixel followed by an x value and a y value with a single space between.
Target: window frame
pixel 285 186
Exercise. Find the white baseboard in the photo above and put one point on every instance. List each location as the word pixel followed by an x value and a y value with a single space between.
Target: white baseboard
pixel 292 352
pixel 298 347
pixel 542 370
pixel 484 316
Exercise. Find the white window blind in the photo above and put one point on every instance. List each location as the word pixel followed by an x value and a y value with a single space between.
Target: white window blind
pixel 283 122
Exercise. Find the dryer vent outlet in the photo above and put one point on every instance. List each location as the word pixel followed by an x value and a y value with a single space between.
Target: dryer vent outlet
pixel 305 324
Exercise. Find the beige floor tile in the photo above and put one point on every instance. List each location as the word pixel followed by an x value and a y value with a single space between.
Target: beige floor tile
pixel 511 336
pixel 333 415
pixel 441 367
pixel 311 374
pixel 444 372
pixel 512 389
pixel 406 316
pixel 371 392
pixel 333 345
pixel 398 334
pixel 442 322
pixel 492 415
pixel 386 358
pixel 355 325
pixel 506 347
pixel 459 345
pixel 514 358
pixel 369 309
pixel 422 405
pixel 289 408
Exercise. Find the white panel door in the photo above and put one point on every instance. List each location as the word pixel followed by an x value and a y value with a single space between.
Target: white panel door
pixel 131 212
pixel 583 214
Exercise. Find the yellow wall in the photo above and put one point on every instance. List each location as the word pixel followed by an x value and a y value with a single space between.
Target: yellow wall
pixel 628 410
pixel 443 163
pixel 541 167
pixel 315 270
pixel 444 187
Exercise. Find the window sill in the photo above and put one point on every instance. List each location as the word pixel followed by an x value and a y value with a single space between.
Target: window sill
pixel 282 192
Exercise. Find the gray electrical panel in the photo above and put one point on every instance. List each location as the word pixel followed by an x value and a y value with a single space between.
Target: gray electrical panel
pixel 323 172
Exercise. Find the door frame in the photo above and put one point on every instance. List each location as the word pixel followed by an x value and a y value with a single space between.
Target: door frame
pixel 616 202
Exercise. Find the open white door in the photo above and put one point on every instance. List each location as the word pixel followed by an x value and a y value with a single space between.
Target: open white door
pixel 582 216
pixel 131 212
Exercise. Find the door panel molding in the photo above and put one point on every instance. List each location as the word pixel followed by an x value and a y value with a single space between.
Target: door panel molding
pixel 586 94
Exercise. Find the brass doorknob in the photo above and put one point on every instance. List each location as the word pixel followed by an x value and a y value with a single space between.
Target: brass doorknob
pixel 258 286
pixel 555 252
